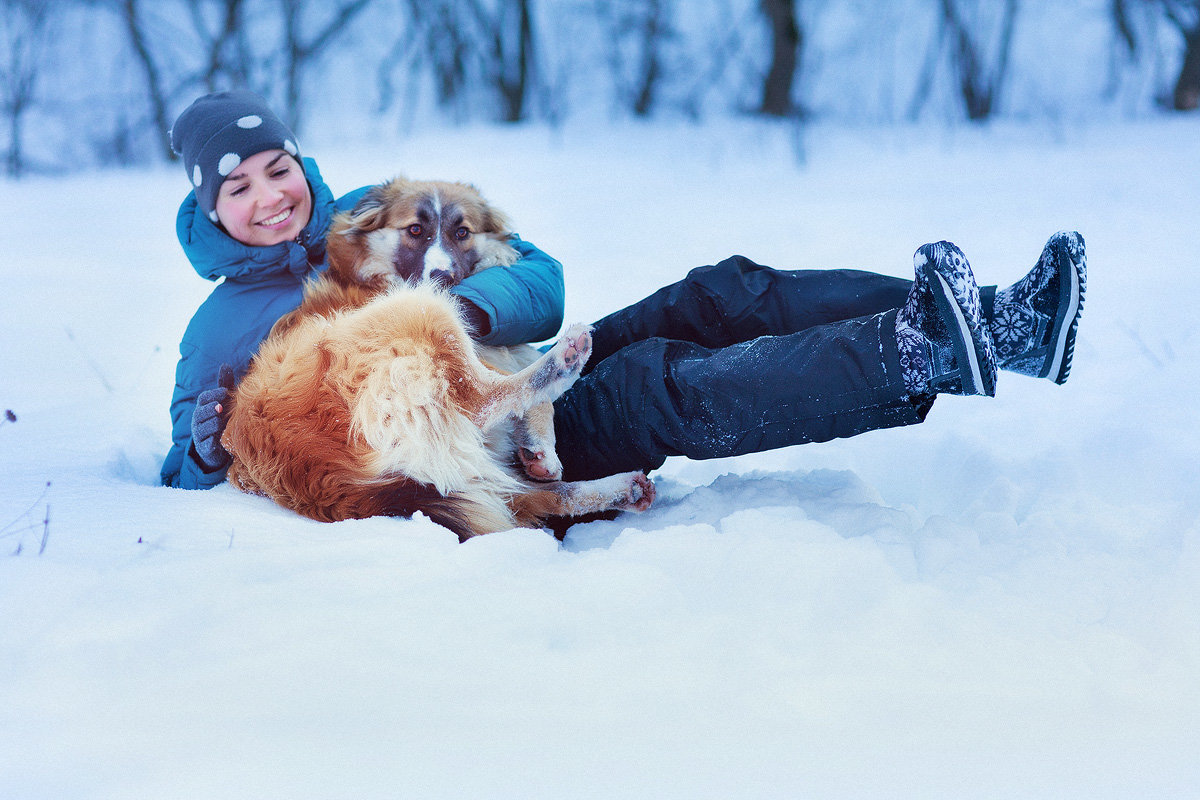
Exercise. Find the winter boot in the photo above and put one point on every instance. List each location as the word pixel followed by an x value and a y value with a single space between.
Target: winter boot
pixel 1035 320
pixel 944 345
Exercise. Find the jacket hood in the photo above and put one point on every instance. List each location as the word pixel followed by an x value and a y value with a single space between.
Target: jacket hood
pixel 215 254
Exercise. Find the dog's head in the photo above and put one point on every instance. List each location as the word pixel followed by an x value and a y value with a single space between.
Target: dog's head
pixel 417 230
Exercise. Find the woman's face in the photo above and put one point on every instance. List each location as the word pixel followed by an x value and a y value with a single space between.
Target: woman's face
pixel 265 200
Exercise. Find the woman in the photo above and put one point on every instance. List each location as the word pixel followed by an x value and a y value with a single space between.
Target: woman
pixel 735 358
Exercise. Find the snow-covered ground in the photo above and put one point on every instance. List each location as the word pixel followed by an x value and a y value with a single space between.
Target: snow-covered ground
pixel 1002 602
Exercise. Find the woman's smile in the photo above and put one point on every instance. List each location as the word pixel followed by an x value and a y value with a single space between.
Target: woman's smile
pixel 278 218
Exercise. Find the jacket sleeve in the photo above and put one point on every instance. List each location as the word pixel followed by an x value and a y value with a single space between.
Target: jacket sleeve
pixel 181 468
pixel 523 302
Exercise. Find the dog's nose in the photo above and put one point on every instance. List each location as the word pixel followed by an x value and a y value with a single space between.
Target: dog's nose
pixel 442 277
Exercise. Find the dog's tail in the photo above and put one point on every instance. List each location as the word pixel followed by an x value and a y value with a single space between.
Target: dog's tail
pixel 463 514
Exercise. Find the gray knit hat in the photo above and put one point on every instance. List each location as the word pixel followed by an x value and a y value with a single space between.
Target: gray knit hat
pixel 217 131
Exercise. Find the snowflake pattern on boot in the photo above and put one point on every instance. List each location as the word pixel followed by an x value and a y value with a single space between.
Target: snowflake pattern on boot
pixel 944 345
pixel 1035 320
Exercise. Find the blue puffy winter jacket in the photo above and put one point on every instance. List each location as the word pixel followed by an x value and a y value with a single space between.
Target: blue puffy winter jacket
pixel 523 303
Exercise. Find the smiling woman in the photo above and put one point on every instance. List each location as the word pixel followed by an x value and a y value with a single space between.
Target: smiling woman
pixel 265 200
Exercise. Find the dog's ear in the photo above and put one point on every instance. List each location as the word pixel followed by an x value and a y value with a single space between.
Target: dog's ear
pixel 495 221
pixel 367 214
pixel 492 220
pixel 345 246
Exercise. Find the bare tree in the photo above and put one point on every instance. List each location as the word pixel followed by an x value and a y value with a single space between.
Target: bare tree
pixel 1124 45
pixel 511 63
pixel 787 40
pixel 1185 15
pixel 299 51
pixel 978 79
pixel 138 39
pixel 430 41
pixel 469 47
pixel 979 85
pixel 1123 25
pixel 228 59
pixel 223 58
pixel 636 32
pixel 654 28
pixel 23 32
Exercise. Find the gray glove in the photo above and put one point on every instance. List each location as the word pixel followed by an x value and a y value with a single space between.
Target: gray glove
pixel 208 422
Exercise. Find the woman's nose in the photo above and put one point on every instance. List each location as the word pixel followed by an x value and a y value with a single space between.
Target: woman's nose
pixel 268 194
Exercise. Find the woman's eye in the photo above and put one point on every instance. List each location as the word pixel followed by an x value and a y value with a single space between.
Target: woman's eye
pixel 461 233
pixel 415 230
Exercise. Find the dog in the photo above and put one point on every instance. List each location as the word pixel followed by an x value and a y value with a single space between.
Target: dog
pixel 371 399
pixel 442 232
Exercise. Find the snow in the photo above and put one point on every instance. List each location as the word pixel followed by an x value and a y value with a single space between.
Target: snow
pixel 1002 602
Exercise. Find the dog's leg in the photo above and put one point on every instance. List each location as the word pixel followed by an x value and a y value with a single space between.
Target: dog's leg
pixel 541 382
pixel 533 438
pixel 629 491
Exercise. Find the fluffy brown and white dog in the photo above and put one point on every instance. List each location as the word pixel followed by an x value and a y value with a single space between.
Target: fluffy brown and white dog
pixel 371 398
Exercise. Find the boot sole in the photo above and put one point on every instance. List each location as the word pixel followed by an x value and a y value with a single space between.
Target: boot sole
pixel 1059 365
pixel 964 348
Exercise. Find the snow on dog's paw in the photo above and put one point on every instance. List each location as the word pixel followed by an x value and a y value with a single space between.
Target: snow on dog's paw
pixel 564 362
pixel 540 465
pixel 577 346
pixel 639 494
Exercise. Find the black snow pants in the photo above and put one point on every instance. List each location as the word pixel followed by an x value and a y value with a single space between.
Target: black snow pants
pixel 737 358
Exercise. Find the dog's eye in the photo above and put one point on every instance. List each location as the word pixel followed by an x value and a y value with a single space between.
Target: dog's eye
pixel 462 233
pixel 415 230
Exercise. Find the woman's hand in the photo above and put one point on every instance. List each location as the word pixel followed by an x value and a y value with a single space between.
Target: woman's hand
pixel 208 421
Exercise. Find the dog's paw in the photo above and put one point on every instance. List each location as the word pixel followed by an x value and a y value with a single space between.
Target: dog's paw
pixel 495 251
pixel 639 493
pixel 576 346
pixel 540 465
pixel 564 362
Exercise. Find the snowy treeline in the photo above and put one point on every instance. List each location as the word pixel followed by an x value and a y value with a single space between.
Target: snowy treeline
pixel 97 82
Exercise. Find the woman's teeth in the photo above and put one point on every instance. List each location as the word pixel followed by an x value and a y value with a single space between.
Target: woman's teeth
pixel 278 218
